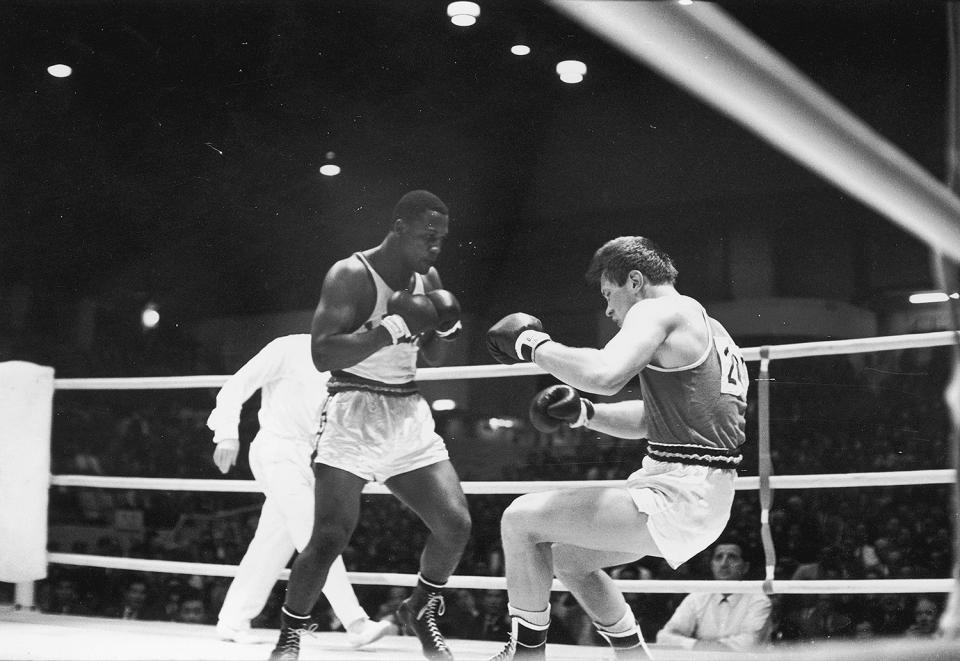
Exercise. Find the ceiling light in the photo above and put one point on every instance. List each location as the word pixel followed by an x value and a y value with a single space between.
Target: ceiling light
pixel 59 70
pixel 685 2
pixel 571 71
pixel 502 423
pixel 150 316
pixel 463 13
pixel 932 297
pixel 520 49
pixel 330 169
pixel 444 405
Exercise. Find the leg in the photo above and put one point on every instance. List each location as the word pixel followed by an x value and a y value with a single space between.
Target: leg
pixel 602 518
pixel 577 531
pixel 268 553
pixel 340 594
pixel 336 510
pixel 434 493
pixel 361 630
pixel 581 571
pixel 282 470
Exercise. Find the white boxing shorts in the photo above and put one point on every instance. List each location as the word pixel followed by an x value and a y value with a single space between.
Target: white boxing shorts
pixel 377 436
pixel 687 506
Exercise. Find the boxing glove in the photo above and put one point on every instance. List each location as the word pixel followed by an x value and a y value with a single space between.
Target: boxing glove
pixel 515 338
pixel 555 405
pixel 408 315
pixel 448 313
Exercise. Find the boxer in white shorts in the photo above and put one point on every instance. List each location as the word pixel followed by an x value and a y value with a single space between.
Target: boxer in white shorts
pixel 379 310
pixel 693 382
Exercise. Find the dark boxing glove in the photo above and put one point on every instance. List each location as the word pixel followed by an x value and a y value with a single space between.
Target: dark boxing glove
pixel 408 315
pixel 515 338
pixel 558 404
pixel 448 314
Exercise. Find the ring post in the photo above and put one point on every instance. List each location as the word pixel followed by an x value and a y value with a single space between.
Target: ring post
pixel 26 408
pixel 765 468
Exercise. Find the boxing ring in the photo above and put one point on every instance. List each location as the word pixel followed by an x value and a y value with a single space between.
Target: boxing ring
pixel 711 56
pixel 31 635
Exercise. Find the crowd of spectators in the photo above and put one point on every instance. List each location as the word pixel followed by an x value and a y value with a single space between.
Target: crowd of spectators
pixel 874 413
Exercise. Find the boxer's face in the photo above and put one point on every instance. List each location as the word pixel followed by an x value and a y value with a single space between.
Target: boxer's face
pixel 619 298
pixel 423 239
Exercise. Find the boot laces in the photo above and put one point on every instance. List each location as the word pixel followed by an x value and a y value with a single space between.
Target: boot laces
pixel 507 653
pixel 434 607
pixel 291 639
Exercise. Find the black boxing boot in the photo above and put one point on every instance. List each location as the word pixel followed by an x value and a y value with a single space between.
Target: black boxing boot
pixel 291 627
pixel 418 614
pixel 625 639
pixel 528 642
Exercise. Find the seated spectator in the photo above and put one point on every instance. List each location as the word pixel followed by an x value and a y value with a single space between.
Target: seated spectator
pixel 890 618
pixel 569 623
pixel 925 618
pixel 864 630
pixel 720 621
pixel 462 616
pixel 133 603
pixel 493 620
pixel 64 599
pixel 193 610
pixel 824 619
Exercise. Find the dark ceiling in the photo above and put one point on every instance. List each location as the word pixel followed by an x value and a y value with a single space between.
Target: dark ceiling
pixel 180 161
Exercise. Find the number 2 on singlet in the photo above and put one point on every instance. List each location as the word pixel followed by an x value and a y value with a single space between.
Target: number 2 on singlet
pixel 733 368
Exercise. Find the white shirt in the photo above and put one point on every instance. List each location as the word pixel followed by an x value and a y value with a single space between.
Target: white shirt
pixel 738 621
pixel 293 392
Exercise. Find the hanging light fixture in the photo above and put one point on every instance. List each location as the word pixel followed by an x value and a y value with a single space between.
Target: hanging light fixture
pixel 571 71
pixel 463 14
pixel 59 70
pixel 149 316
pixel 330 169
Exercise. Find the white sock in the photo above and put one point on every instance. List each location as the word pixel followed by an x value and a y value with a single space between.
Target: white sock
pixel 625 625
pixel 435 586
pixel 536 618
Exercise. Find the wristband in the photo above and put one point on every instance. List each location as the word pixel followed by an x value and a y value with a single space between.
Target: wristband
pixel 527 343
pixel 396 326
pixel 453 330
pixel 586 413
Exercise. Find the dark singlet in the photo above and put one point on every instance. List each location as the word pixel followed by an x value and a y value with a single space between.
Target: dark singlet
pixel 695 413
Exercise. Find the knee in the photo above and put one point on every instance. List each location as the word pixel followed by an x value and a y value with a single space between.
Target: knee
pixel 457 525
pixel 518 518
pixel 327 541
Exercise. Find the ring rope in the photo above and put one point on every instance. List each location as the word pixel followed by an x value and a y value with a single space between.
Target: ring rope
pixel 747 483
pixel 458 372
pixel 764 482
pixel 899 585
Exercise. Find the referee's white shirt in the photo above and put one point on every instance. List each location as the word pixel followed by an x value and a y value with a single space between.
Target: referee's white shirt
pixel 292 393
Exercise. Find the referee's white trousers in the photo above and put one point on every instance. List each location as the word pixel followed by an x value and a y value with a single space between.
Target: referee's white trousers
pixel 284 472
